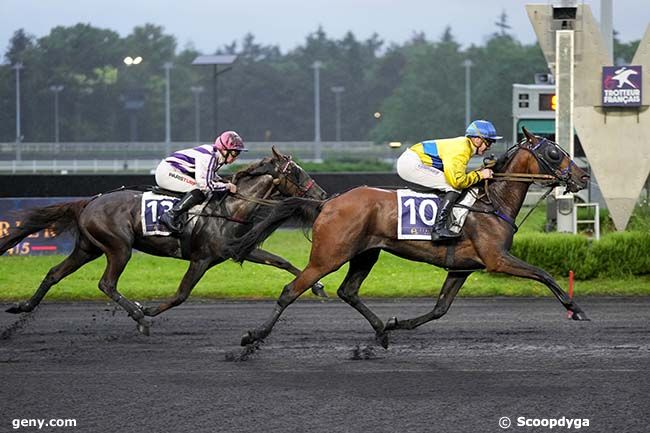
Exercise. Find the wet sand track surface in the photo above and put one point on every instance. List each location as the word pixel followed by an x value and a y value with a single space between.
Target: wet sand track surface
pixel 486 359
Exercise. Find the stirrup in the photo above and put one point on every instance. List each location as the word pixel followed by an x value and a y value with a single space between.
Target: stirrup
pixel 443 234
pixel 168 221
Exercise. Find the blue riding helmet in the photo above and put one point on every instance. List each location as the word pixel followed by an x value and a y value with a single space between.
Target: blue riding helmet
pixel 483 129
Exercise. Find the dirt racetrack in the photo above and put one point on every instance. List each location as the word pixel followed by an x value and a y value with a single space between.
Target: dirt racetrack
pixel 487 359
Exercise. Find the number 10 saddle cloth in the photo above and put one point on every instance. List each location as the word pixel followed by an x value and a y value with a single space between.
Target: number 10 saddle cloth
pixel 417 213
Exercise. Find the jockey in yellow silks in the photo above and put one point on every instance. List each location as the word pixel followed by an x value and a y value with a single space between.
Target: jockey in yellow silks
pixel 442 164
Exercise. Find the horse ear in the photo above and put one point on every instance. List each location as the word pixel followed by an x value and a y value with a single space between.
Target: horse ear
pixel 276 154
pixel 530 137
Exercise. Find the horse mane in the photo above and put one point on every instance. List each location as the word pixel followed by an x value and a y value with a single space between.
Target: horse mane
pixel 503 160
pixel 246 171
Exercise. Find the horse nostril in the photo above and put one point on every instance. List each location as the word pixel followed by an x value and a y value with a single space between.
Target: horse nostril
pixel 585 178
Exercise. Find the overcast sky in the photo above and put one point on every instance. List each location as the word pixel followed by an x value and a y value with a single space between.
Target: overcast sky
pixel 286 23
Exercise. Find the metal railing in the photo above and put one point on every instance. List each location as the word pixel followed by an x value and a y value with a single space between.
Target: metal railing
pixel 144 157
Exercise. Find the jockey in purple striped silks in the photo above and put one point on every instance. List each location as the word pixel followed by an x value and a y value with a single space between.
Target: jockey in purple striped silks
pixel 194 171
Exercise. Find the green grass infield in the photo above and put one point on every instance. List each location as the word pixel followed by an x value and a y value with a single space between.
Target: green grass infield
pixel 148 277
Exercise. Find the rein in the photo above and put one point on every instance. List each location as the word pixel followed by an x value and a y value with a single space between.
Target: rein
pixel 524 177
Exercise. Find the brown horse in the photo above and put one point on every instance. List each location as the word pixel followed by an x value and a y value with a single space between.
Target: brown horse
pixel 110 224
pixel 355 226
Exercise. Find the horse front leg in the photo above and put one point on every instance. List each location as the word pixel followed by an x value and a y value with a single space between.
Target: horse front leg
pixel 450 288
pixel 511 265
pixel 192 276
pixel 265 258
pixel 116 261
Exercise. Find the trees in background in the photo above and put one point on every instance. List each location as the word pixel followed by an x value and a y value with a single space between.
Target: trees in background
pixel 418 87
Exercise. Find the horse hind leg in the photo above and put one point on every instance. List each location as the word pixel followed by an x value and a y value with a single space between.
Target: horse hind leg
pixel 450 288
pixel 360 267
pixel 82 254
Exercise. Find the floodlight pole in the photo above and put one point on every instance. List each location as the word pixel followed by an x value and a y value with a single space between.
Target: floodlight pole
pixel 317 139
pixel 56 89
pixel 215 61
pixel 168 128
pixel 196 91
pixel 337 95
pixel 215 105
pixel 18 66
pixel 468 92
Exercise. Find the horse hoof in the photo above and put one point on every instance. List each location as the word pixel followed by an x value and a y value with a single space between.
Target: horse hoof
pixel 143 327
pixel 382 339
pixel 18 308
pixel 580 315
pixel 14 309
pixel 318 290
pixel 247 339
pixel 391 324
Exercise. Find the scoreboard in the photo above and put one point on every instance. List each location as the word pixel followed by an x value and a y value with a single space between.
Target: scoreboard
pixel 533 106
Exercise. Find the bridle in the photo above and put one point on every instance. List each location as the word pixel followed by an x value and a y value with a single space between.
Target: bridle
pixel 286 171
pixel 549 156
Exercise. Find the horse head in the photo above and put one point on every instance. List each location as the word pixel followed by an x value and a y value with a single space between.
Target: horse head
pixel 550 159
pixel 289 178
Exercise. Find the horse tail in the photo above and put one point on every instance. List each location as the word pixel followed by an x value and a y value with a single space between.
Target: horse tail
pixel 303 210
pixel 59 217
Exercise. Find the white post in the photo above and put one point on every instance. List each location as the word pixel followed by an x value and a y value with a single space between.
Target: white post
pixel 564 130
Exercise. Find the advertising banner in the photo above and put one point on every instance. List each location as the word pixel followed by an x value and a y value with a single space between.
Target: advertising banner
pixel 41 243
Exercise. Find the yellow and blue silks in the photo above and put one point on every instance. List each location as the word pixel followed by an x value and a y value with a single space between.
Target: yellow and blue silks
pixel 449 155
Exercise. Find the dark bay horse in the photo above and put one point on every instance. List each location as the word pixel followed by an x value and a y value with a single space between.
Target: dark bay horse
pixel 111 224
pixel 355 226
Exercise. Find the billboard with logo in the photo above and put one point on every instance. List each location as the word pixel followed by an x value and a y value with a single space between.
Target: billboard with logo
pixel 622 86
pixel 43 242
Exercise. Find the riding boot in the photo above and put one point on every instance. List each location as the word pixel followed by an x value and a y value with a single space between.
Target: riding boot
pixel 172 218
pixel 440 231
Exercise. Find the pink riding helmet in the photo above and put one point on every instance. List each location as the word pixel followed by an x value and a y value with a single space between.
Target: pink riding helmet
pixel 229 140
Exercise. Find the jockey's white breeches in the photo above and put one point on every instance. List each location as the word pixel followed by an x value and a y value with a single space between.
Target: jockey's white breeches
pixel 412 169
pixel 172 179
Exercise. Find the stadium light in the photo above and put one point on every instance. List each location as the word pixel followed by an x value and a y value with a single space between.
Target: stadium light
pixel 215 61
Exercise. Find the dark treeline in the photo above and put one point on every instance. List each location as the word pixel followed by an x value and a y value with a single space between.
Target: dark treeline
pixel 418 87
